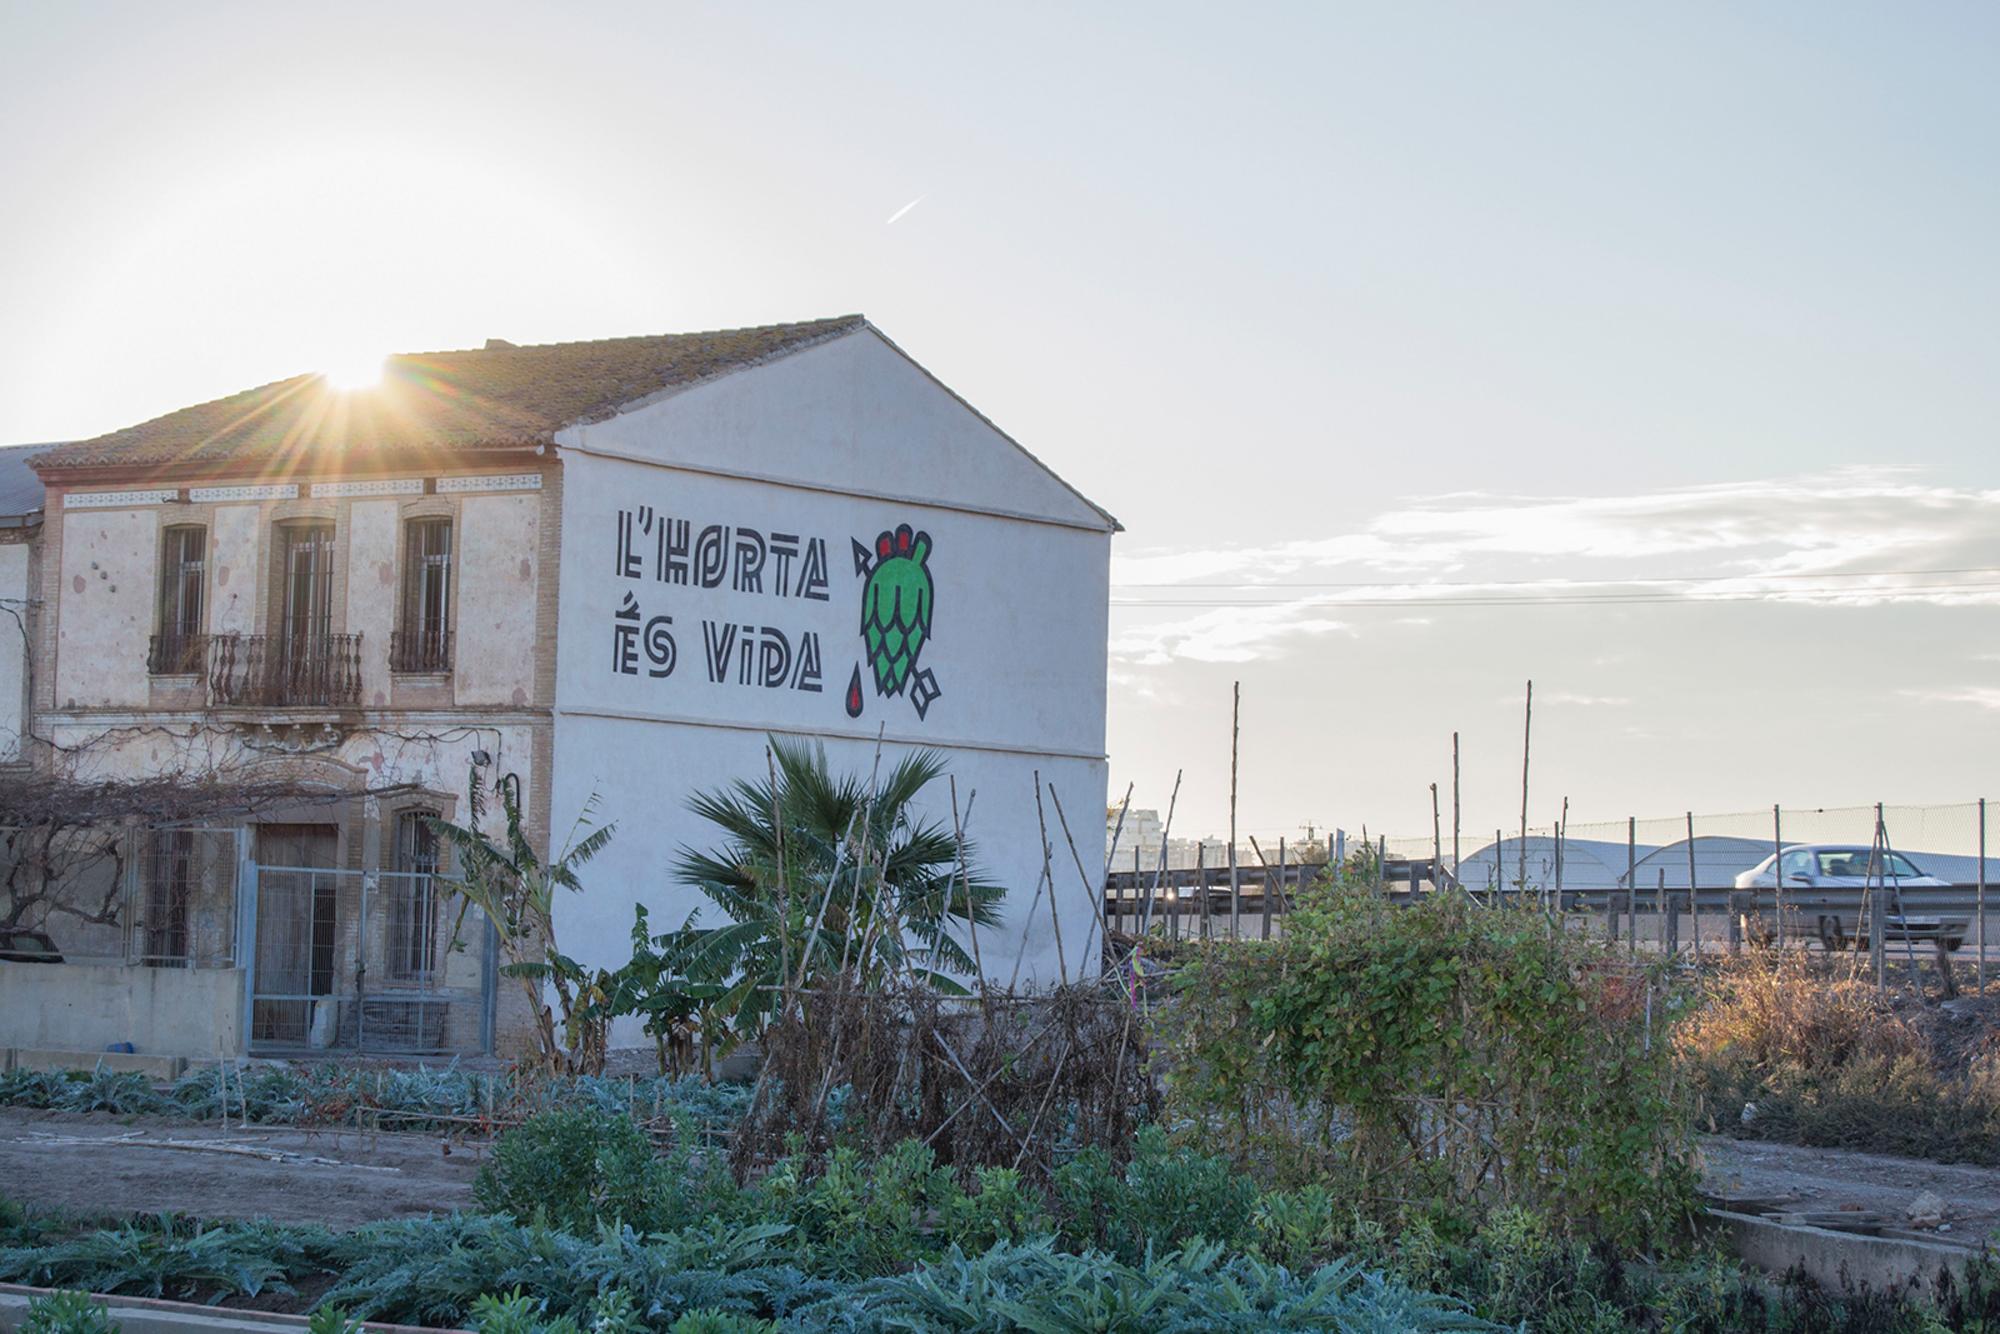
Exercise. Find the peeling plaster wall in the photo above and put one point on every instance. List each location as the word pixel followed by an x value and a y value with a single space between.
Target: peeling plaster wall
pixel 109 560
pixel 494 661
pixel 232 582
pixel 371 591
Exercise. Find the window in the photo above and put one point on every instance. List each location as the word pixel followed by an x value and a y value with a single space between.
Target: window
pixel 413 897
pixel 170 879
pixel 308 600
pixel 1860 864
pixel 423 640
pixel 178 646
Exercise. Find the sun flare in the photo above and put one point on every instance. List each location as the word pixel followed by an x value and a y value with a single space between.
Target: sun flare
pixel 354 371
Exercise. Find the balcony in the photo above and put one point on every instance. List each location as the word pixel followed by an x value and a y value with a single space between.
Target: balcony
pixel 420 650
pixel 285 671
pixel 177 655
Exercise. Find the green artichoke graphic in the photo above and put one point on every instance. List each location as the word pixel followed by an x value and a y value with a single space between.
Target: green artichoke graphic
pixel 896 607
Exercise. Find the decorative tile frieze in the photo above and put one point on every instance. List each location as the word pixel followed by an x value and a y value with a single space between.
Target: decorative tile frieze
pixel 398 486
pixel 97 500
pixel 267 491
pixel 519 481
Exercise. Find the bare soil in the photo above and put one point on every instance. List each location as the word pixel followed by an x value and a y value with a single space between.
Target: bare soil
pixel 97 1164
pixel 1836 1179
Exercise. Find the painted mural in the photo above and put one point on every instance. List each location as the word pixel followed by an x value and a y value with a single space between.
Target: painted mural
pixel 763 635
pixel 896 606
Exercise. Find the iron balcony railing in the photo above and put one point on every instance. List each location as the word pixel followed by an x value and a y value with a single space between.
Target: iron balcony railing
pixel 420 650
pixel 177 655
pixel 285 671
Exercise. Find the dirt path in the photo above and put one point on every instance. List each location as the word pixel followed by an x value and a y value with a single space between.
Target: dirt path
pixel 99 1164
pixel 1836 1178
pixel 92 1163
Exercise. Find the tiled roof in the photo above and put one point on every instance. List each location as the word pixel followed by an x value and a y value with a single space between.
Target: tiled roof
pixel 20 489
pixel 495 397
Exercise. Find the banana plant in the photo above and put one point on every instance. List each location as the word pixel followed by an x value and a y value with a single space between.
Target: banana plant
pixel 515 887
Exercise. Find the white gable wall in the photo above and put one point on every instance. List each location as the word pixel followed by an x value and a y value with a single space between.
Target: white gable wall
pixel 829 446
pixel 854 415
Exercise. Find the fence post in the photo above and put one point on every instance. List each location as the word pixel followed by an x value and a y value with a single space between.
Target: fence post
pixel 1877 952
pixel 246 889
pixel 1670 918
pixel 1878 916
pixel 1201 886
pixel 1632 884
pixel 1778 871
pixel 1979 902
pixel 1694 902
pixel 1282 865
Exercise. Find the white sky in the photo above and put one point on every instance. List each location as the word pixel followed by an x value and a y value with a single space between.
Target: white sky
pixel 1340 295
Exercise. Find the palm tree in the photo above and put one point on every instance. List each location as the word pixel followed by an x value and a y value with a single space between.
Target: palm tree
pixel 832 879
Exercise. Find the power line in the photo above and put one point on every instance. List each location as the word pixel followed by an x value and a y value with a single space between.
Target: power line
pixel 1580 583
pixel 1582 599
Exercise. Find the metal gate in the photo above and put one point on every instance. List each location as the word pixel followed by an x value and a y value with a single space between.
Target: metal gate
pixel 365 961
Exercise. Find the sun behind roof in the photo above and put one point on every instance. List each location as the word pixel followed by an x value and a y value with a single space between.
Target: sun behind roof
pixel 354 371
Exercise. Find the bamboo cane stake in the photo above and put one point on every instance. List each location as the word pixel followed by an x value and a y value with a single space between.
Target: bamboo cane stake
pixel 1235 886
pixel 1049 874
pixel 1527 738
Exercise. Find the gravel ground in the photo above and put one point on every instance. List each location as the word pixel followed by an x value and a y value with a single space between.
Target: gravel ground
pixel 1832 1179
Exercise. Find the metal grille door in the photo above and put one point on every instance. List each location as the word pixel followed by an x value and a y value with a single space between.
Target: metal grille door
pixel 363 961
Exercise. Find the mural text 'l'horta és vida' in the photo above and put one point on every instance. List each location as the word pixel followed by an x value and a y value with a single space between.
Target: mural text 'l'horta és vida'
pixel 768 633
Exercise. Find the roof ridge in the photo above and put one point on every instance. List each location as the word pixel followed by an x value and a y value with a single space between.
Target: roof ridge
pixel 485 398
pixel 829 322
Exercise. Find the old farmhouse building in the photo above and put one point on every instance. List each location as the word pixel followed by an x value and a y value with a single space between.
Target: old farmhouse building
pixel 287 626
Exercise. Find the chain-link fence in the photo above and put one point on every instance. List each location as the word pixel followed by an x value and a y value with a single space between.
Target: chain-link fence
pixel 1908 877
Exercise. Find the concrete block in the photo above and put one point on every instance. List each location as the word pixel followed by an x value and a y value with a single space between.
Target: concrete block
pixel 87 1007
pixel 1839 1260
pixel 145 1315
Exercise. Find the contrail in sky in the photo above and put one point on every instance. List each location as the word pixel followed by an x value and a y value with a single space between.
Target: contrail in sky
pixel 897 216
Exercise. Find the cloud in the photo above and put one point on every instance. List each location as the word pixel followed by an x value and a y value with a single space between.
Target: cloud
pixel 1849 537
pixel 1572 697
pixel 1753 537
pixel 1986 697
pixel 1226 634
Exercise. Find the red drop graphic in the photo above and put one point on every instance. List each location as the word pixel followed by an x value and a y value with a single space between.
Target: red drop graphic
pixel 854 694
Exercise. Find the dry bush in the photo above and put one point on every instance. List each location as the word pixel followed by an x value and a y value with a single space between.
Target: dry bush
pixel 1000 1079
pixel 1793 1013
pixel 1791 1049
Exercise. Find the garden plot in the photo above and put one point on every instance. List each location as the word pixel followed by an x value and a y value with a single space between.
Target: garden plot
pixel 93 1163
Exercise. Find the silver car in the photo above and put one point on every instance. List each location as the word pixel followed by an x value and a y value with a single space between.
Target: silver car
pixel 1810 868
